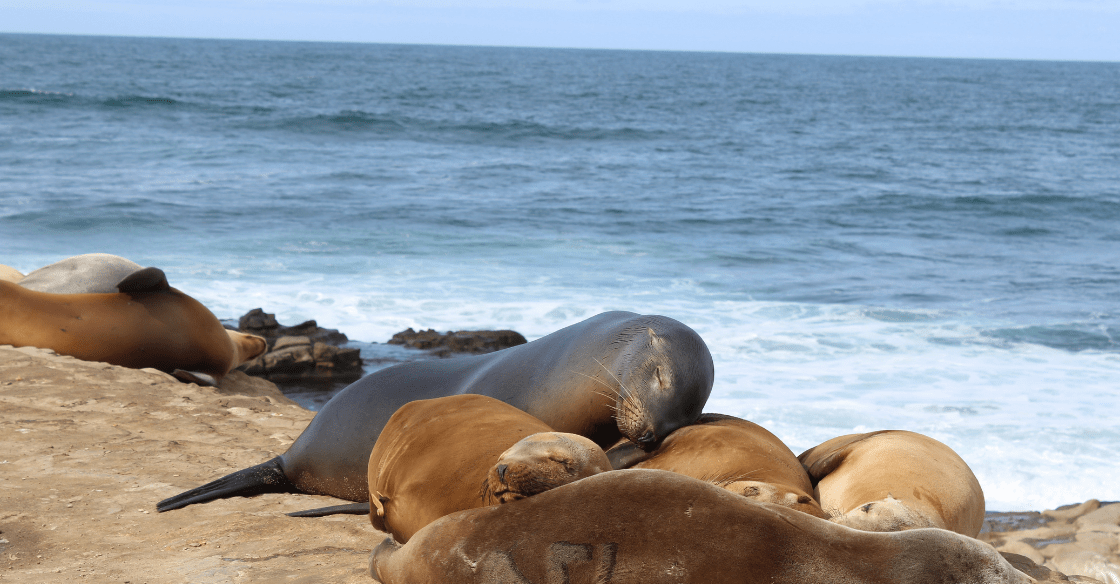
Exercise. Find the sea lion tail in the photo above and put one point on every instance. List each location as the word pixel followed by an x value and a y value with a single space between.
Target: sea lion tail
pixel 351 509
pixel 267 477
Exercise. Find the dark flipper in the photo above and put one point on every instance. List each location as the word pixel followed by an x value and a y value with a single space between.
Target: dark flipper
pixel 146 280
pixel 267 477
pixel 351 509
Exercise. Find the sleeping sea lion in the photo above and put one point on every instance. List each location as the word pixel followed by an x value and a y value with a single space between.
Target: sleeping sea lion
pixel 9 274
pixel 614 375
pixel 91 273
pixel 656 527
pixel 732 453
pixel 541 462
pixel 146 324
pixel 893 480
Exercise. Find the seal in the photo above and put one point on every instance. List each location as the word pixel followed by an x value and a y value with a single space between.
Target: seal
pixel 893 480
pixel 732 453
pixel 92 273
pixel 617 374
pixel 150 325
pixel 650 527
pixel 542 462
pixel 433 456
pixel 10 274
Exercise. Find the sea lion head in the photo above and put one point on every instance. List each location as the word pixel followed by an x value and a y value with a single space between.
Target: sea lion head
pixel 541 462
pixel 778 495
pixel 665 379
pixel 888 514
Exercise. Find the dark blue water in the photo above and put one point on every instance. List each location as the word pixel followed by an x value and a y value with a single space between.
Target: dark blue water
pixel 919 243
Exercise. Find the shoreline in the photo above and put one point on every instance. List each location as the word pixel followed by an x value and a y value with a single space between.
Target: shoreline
pixel 91 447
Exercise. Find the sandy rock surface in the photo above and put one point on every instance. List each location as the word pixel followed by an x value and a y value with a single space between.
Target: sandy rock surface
pixel 87 449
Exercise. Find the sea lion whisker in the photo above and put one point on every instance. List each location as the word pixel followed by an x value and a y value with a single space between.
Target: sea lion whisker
pixel 626 390
pixel 596 380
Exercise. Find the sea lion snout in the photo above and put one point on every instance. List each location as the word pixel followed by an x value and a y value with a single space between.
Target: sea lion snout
pixel 541 462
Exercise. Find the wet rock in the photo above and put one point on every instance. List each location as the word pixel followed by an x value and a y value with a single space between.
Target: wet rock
pixel 445 344
pixel 305 351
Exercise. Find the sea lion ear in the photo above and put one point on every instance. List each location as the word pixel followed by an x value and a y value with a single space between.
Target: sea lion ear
pixel 145 280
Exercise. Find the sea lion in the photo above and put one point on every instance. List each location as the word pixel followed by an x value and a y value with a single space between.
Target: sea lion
pixel 617 374
pixel 541 462
pixel 433 456
pixel 643 526
pixel 150 325
pixel 893 480
pixel 91 273
pixel 9 274
pixel 732 453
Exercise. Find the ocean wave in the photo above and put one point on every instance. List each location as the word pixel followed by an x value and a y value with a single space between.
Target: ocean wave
pixel 1067 337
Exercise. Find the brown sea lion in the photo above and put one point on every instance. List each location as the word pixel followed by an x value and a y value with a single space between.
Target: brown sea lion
pixel 656 527
pixel 733 453
pixel 615 375
pixel 433 456
pixel 893 480
pixel 9 274
pixel 541 462
pixel 147 324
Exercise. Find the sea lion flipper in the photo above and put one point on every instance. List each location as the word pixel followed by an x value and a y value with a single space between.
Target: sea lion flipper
pixel 196 377
pixel 380 554
pixel 267 477
pixel 145 280
pixel 626 454
pixel 351 509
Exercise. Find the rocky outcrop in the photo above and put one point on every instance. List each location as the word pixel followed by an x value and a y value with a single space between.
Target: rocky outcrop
pixel 445 344
pixel 305 351
pixel 1081 540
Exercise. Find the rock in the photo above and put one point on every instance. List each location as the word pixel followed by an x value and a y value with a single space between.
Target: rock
pixel 301 352
pixel 473 342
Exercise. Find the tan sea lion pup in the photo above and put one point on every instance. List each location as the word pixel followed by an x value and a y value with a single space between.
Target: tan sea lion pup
pixel 541 462
pixel 656 527
pixel 434 456
pixel 146 324
pixel 8 274
pixel 894 480
pixel 732 453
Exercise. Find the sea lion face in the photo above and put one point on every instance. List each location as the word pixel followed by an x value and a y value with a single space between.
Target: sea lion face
pixel 778 495
pixel 664 386
pixel 887 514
pixel 541 462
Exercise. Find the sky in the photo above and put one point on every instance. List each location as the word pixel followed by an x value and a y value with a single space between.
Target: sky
pixel 1000 29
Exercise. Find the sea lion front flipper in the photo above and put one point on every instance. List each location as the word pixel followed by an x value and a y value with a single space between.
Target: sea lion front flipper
pixel 195 377
pixel 626 454
pixel 351 509
pixel 266 477
pixel 145 280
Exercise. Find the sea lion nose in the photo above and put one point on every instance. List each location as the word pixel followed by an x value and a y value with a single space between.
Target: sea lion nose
pixel 502 472
pixel 646 438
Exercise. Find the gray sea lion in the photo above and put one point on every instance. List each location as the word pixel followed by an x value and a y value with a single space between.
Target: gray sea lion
pixel 91 273
pixel 732 453
pixel 893 480
pixel 657 527
pixel 150 325
pixel 614 375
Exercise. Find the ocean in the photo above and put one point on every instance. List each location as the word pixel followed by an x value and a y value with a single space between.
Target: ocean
pixel 864 243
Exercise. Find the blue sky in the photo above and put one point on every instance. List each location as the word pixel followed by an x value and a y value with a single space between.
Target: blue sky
pixel 1015 29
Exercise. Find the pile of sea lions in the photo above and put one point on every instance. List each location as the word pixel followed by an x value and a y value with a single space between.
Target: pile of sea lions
pixel 101 307
pixel 580 457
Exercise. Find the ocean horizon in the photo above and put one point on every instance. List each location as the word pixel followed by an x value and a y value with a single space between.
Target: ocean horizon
pixel 864 243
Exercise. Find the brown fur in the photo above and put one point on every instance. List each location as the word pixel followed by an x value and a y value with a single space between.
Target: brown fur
pixel 433 457
pixel 657 527
pixel 894 480
pixel 737 455
pixel 166 330
pixel 541 462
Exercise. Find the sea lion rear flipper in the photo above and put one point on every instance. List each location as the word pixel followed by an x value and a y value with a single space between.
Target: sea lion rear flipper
pixel 195 377
pixel 267 477
pixel 146 280
pixel 351 509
